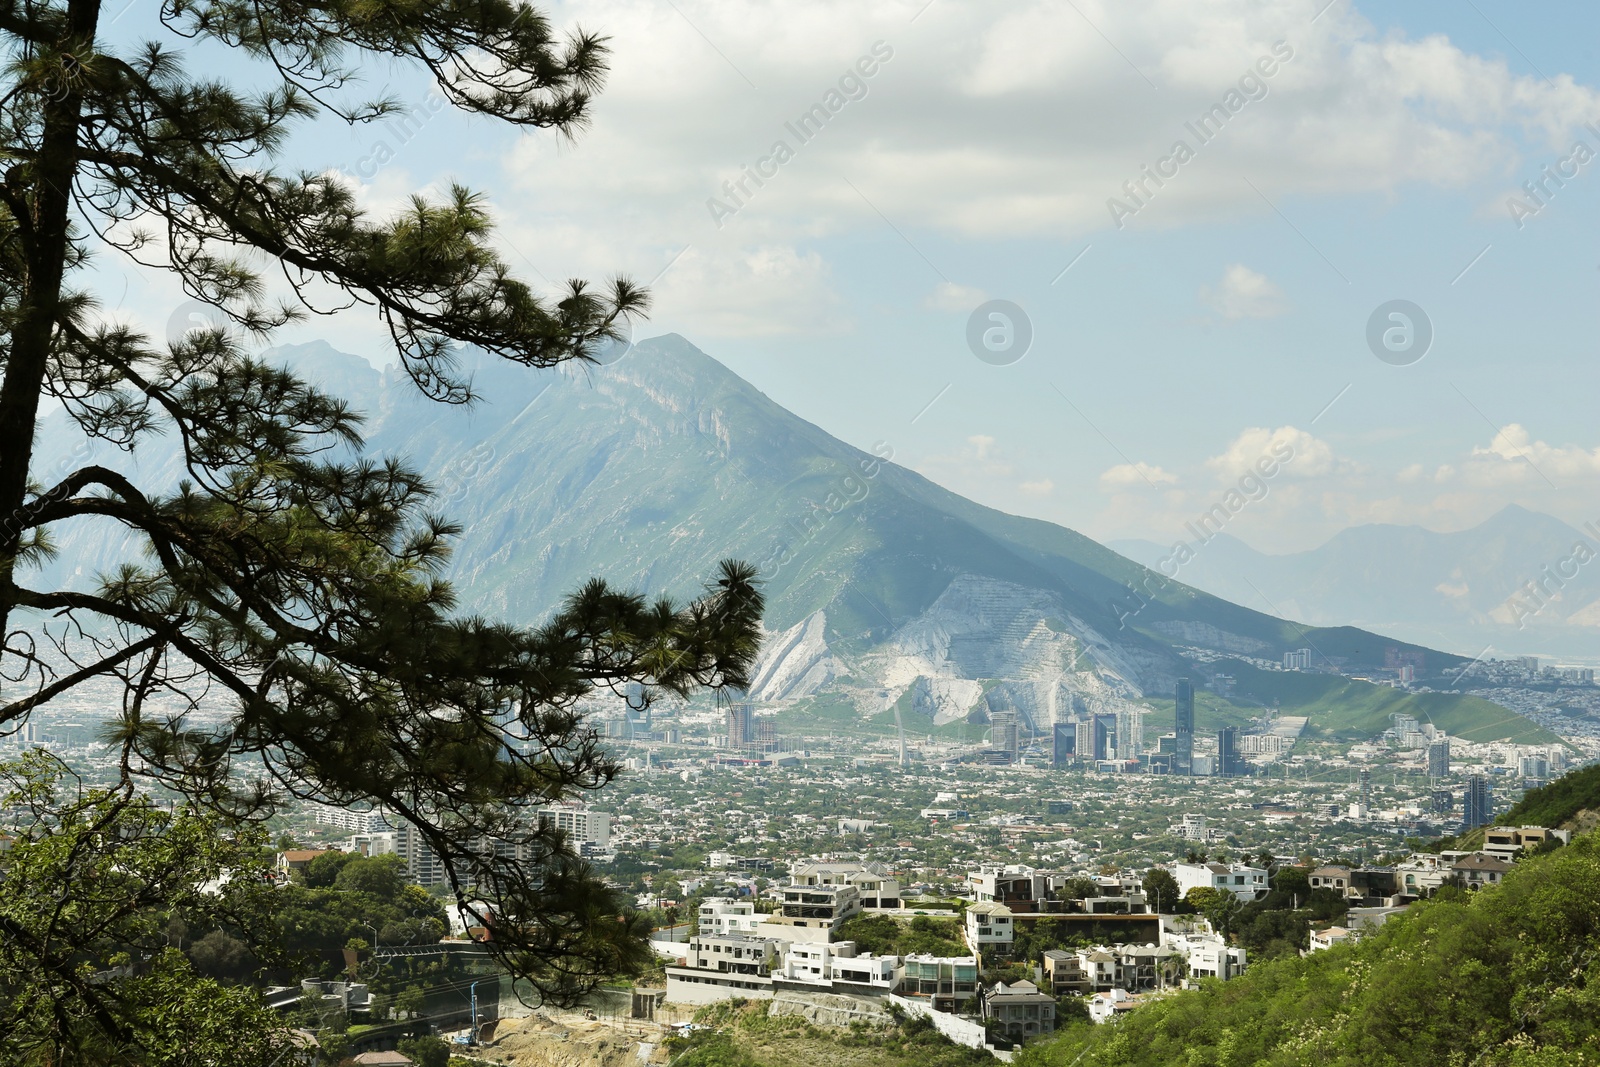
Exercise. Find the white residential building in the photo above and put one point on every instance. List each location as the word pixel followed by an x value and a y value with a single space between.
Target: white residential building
pixel 1243 881
pixel 724 915
pixel 876 884
pixel 1207 955
pixel 581 825
pixel 811 912
pixel 989 926
pixel 1326 939
pixel 716 968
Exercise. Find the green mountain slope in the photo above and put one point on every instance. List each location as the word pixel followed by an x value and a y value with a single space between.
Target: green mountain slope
pixel 1507 977
pixel 1349 709
pixel 650 470
pixel 1558 803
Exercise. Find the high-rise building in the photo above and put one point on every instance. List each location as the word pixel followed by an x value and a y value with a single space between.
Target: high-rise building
pixel 1229 762
pixel 1364 782
pixel 740 733
pixel 1439 758
pixel 1477 803
pixel 1183 728
pixel 1130 732
pixel 1298 660
pixel 1443 802
pixel 1066 744
pixel 1003 733
pixel 1092 740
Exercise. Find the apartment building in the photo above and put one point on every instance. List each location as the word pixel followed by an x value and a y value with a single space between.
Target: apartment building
pixel 581 825
pixel 724 915
pixel 1243 881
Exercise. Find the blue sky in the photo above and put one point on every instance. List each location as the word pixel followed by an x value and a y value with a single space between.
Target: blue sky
pixel 1226 318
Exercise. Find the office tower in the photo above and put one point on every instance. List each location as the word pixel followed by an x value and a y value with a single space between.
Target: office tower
pixel 1108 736
pixel 1183 728
pixel 1092 739
pixel 739 725
pixel 1443 802
pixel 1477 803
pixel 1003 733
pixel 1229 762
pixel 1439 758
pixel 1130 732
pixel 1066 744
pixel 1365 780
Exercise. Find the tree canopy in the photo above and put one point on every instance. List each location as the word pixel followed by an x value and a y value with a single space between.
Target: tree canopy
pixel 288 575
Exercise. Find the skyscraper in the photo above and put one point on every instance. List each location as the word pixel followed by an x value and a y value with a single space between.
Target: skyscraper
pixel 1003 733
pixel 1439 758
pixel 739 725
pixel 1066 743
pixel 1092 737
pixel 1229 762
pixel 1365 781
pixel 1183 723
pixel 1477 803
pixel 1130 732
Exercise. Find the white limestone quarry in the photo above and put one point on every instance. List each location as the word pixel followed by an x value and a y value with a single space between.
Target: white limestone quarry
pixel 796 663
pixel 982 645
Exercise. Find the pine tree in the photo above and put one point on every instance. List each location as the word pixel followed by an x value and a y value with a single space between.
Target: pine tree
pixel 303 585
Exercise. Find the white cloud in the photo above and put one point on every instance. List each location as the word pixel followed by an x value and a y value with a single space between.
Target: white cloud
pixel 756 292
pixel 1138 474
pixel 1042 487
pixel 1244 294
pixel 949 296
pixel 1513 455
pixel 1021 124
pixel 1295 452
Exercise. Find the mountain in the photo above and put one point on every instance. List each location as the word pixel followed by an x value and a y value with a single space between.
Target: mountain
pixel 885 590
pixel 1462 591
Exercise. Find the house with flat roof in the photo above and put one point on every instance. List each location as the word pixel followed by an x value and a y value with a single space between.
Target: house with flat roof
pixel 989 926
pixel 1243 881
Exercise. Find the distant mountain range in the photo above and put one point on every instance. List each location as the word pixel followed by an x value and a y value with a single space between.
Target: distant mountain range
pixel 1520 583
pixel 886 592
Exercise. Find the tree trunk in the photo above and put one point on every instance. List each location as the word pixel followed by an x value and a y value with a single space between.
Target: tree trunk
pixel 51 177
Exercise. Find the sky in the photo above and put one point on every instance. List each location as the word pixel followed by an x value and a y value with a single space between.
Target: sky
pixel 1346 243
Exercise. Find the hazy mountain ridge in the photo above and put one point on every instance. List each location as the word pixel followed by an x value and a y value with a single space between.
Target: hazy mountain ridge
pixel 1500 583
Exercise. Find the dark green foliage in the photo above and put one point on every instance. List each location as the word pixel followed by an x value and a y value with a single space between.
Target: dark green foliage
pixel 379 876
pixel 1078 889
pixel 323 871
pixel 1553 804
pixel 1161 890
pixel 96 884
pixel 1506 977
pixel 297 585
pixel 428 1051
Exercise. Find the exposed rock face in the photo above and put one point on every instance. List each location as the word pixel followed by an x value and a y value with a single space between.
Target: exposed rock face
pixel 983 646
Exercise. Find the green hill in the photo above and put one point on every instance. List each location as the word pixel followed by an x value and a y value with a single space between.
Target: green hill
pixel 1506 977
pixel 1346 708
pixel 1559 802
